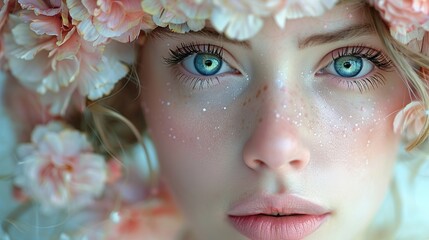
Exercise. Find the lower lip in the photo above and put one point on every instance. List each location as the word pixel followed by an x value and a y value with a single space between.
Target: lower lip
pixel 291 227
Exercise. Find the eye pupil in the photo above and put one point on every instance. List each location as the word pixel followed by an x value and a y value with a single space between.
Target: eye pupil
pixel 207 64
pixel 348 66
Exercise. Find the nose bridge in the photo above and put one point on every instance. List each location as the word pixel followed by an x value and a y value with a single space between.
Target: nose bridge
pixel 275 142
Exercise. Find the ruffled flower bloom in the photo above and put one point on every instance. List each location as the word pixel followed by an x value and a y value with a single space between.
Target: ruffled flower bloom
pixel 100 20
pixel 179 16
pixel 410 120
pixel 44 43
pixel 407 18
pixel 59 170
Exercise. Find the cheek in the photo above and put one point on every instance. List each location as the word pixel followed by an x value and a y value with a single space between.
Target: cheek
pixel 357 128
pixel 188 141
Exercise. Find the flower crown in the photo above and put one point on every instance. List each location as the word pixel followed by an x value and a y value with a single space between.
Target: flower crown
pixel 66 51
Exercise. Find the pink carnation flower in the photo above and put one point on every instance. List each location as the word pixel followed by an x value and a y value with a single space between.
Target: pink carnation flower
pixel 58 168
pixel 407 18
pixel 410 120
pixel 45 44
pixel 100 20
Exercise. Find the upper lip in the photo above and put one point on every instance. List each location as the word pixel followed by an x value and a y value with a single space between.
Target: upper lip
pixel 275 205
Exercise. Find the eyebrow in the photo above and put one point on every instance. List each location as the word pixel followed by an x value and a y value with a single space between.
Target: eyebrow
pixel 313 40
pixel 205 32
pixel 339 35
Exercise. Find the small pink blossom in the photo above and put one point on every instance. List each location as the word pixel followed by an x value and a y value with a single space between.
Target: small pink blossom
pixel 101 20
pixel 58 168
pixel 410 120
pixel 407 18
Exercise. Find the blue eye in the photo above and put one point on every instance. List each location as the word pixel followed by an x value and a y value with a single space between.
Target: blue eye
pixel 207 64
pixel 350 66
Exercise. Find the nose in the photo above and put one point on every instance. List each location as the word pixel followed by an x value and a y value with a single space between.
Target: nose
pixel 275 143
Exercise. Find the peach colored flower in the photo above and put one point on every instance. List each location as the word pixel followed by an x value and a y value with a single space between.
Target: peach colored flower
pixel 179 16
pixel 100 20
pixel 44 43
pixel 58 168
pixel 410 120
pixel 407 18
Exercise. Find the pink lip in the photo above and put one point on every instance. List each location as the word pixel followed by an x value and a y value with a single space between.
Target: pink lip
pixel 254 217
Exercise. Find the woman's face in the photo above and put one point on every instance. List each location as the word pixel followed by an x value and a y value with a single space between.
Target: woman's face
pixel 296 122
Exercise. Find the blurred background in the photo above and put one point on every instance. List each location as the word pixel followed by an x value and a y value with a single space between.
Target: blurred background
pixel 7 141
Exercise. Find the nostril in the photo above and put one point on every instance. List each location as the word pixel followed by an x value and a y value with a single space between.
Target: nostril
pixel 256 164
pixel 296 164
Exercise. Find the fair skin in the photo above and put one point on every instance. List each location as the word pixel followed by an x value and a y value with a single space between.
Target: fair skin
pixel 275 120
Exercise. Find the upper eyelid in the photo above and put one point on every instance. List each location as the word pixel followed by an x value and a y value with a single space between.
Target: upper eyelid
pixel 179 53
pixel 376 56
pixel 196 47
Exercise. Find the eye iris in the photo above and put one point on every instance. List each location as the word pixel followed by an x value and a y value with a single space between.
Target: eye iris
pixel 207 64
pixel 348 66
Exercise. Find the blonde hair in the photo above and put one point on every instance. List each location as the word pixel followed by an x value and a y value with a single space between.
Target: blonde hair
pixel 409 64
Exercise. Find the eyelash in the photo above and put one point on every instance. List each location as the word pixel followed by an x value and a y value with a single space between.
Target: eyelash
pixel 180 53
pixel 362 84
pixel 185 50
pixel 377 57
